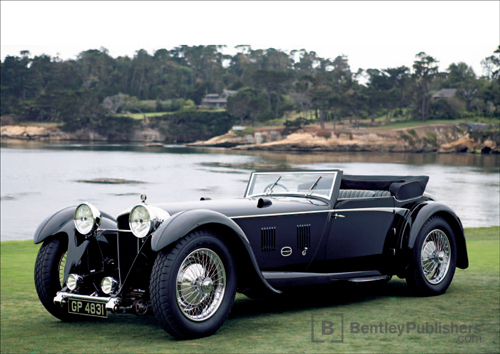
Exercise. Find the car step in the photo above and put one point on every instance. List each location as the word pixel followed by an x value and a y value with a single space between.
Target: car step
pixel 368 279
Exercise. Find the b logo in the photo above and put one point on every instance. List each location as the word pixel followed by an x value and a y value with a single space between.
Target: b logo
pixel 332 325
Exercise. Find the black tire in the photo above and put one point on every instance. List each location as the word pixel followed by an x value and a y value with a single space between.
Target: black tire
pixel 166 298
pixel 435 283
pixel 48 266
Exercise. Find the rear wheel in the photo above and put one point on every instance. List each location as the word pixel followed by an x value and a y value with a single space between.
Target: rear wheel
pixel 49 275
pixel 193 285
pixel 434 258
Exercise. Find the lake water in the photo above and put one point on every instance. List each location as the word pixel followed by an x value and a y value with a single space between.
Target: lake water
pixel 38 179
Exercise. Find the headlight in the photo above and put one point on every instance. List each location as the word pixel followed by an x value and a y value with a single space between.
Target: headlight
pixel 144 218
pixel 108 285
pixel 87 218
pixel 73 281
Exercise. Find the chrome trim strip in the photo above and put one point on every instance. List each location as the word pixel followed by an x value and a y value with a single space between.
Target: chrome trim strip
pixel 384 209
pixel 61 295
pixel 281 214
pixel 114 230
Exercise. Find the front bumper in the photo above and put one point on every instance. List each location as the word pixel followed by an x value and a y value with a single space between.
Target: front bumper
pixel 112 303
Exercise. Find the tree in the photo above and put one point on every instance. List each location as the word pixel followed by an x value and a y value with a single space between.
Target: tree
pixel 425 69
pixel 113 103
pixel 238 105
pixel 462 77
pixel 375 93
pixel 247 102
pixel 302 93
pixel 273 81
pixel 491 65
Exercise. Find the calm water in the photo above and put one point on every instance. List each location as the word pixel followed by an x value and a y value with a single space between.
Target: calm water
pixel 39 179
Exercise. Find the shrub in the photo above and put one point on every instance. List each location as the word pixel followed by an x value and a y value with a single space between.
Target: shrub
pixel 189 126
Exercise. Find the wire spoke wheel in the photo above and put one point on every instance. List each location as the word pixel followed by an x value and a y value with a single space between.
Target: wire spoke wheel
pixel 62 265
pixel 435 256
pixel 201 283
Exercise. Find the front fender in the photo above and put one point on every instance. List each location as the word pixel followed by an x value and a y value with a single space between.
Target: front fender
pixel 53 224
pixel 182 223
pixel 428 209
pixel 61 223
pixel 58 222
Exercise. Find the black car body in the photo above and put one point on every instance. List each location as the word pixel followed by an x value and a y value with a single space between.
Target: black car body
pixel 185 261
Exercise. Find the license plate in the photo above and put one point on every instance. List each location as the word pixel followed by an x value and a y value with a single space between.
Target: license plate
pixel 87 308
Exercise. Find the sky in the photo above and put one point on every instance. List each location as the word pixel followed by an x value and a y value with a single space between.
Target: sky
pixel 372 34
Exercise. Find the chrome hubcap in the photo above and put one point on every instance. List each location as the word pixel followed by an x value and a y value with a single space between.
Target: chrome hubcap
pixel 201 282
pixel 435 256
pixel 207 286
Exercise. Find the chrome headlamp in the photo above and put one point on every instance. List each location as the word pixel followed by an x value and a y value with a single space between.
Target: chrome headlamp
pixel 108 285
pixel 87 218
pixel 143 219
pixel 73 281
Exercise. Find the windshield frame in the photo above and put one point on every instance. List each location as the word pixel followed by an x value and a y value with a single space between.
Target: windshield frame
pixel 295 194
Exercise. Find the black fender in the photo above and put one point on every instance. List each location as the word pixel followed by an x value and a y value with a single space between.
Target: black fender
pixel 61 223
pixel 182 223
pixel 422 212
pixel 58 222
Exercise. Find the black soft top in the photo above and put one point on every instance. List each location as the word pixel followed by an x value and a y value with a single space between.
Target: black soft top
pixel 402 187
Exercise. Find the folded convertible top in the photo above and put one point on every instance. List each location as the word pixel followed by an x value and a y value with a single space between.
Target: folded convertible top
pixel 402 187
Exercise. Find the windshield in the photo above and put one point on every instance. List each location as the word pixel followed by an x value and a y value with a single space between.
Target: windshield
pixel 318 183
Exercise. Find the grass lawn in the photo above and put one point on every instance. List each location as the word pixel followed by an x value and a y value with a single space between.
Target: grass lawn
pixel 279 325
pixel 140 116
pixel 410 124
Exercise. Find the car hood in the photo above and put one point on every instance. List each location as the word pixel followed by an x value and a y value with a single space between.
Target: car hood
pixel 248 206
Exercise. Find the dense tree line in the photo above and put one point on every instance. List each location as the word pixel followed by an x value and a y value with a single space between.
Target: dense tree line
pixel 270 84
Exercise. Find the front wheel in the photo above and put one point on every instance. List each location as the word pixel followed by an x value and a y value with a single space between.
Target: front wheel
pixel 49 274
pixel 434 258
pixel 193 285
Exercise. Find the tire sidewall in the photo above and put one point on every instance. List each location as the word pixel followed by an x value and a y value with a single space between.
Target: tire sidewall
pixel 47 276
pixel 209 326
pixel 427 288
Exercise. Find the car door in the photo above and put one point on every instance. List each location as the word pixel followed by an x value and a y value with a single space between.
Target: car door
pixel 286 242
pixel 359 234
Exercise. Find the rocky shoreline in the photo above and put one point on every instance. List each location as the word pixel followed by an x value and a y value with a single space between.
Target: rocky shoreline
pixel 441 138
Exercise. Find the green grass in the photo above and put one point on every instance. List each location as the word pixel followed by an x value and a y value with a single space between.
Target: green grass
pixel 262 326
pixel 410 124
pixel 140 116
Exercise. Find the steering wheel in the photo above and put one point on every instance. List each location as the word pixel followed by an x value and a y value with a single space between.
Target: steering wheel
pixel 276 185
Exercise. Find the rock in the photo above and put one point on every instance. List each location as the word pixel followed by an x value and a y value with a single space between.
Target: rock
pixel 109 181
pixel 229 139
pixel 463 144
pixel 148 135
pixel 34 133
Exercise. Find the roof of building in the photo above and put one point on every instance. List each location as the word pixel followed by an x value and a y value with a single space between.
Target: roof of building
pixel 218 98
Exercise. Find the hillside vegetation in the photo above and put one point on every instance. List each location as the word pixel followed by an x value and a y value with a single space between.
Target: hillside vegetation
pixel 272 87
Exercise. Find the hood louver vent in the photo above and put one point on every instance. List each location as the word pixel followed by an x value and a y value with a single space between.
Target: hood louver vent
pixel 304 236
pixel 268 239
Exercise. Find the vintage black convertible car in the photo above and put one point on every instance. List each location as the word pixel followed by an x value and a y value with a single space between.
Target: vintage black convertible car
pixel 185 261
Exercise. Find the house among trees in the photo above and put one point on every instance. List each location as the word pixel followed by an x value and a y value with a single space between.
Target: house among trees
pixel 216 100
pixel 445 93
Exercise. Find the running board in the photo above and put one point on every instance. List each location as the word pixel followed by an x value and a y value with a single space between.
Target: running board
pixel 369 279
pixel 285 279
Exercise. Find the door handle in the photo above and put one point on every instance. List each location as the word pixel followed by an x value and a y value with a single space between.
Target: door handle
pixel 338 216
